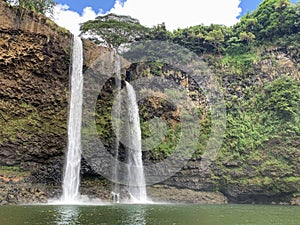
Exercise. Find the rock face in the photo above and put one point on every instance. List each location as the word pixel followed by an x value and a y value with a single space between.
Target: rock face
pixel 248 172
pixel 34 79
pixel 34 95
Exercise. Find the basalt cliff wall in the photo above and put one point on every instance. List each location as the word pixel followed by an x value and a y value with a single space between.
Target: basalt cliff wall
pixel 34 77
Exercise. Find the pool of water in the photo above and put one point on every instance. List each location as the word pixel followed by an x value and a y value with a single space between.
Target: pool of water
pixel 150 215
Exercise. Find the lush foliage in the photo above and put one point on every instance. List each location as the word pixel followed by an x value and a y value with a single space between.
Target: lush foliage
pixel 272 20
pixel 262 96
pixel 269 113
pixel 282 97
pixel 113 30
pixel 39 6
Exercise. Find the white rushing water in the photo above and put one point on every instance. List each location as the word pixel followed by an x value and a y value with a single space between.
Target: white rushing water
pixel 116 115
pixel 136 178
pixel 71 179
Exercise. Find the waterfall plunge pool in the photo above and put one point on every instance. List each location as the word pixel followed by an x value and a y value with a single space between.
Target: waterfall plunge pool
pixel 167 214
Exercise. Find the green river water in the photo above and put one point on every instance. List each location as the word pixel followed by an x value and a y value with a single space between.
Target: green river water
pixel 150 215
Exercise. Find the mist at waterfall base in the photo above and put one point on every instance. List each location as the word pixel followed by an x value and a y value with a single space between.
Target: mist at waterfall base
pixel 71 179
pixel 117 115
pixel 136 186
pixel 136 178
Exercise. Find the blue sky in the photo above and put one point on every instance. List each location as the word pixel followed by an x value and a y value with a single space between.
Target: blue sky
pixel 250 5
pixel 174 13
pixel 106 5
pixel 79 5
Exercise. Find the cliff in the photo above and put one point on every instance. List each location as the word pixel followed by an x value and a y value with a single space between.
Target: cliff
pixel 258 161
pixel 34 58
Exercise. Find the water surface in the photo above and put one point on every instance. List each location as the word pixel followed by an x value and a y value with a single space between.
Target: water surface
pixel 151 215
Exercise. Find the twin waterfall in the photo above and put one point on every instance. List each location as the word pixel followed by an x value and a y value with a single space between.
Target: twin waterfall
pixel 136 178
pixel 117 116
pixel 71 179
pixel 135 186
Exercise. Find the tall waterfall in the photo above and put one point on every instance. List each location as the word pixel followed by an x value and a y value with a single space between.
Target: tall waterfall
pixel 136 178
pixel 71 179
pixel 116 114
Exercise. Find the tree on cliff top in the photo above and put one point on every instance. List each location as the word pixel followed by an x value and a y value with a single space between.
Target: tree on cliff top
pixel 271 20
pixel 40 6
pixel 113 30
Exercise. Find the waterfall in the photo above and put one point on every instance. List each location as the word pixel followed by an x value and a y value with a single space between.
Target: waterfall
pixel 135 172
pixel 116 115
pixel 136 178
pixel 71 179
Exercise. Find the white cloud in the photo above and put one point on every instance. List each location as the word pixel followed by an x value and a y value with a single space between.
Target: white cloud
pixel 71 20
pixel 175 14
pixel 180 14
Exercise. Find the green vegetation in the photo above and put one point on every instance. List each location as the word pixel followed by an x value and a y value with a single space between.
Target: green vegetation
pixel 270 113
pixel 169 142
pixel 27 118
pixel 257 63
pixel 10 168
pixel 238 63
pixel 39 6
pixel 59 30
pixel 273 21
pixel 255 114
pixel 281 98
pixel 14 171
pixel 113 30
pixel 44 7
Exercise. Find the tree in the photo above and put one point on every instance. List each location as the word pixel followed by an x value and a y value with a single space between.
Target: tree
pixel 113 30
pixel 192 38
pixel 269 18
pixel 216 37
pixel 273 19
pixel 290 19
pixel 40 6
pixel 160 33
pixel 247 37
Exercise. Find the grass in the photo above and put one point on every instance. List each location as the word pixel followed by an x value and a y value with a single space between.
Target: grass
pixel 14 171
pixel 237 64
pixel 54 26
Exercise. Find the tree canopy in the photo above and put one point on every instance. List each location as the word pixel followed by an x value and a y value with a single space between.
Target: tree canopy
pixel 113 30
pixel 274 21
pixel 40 6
